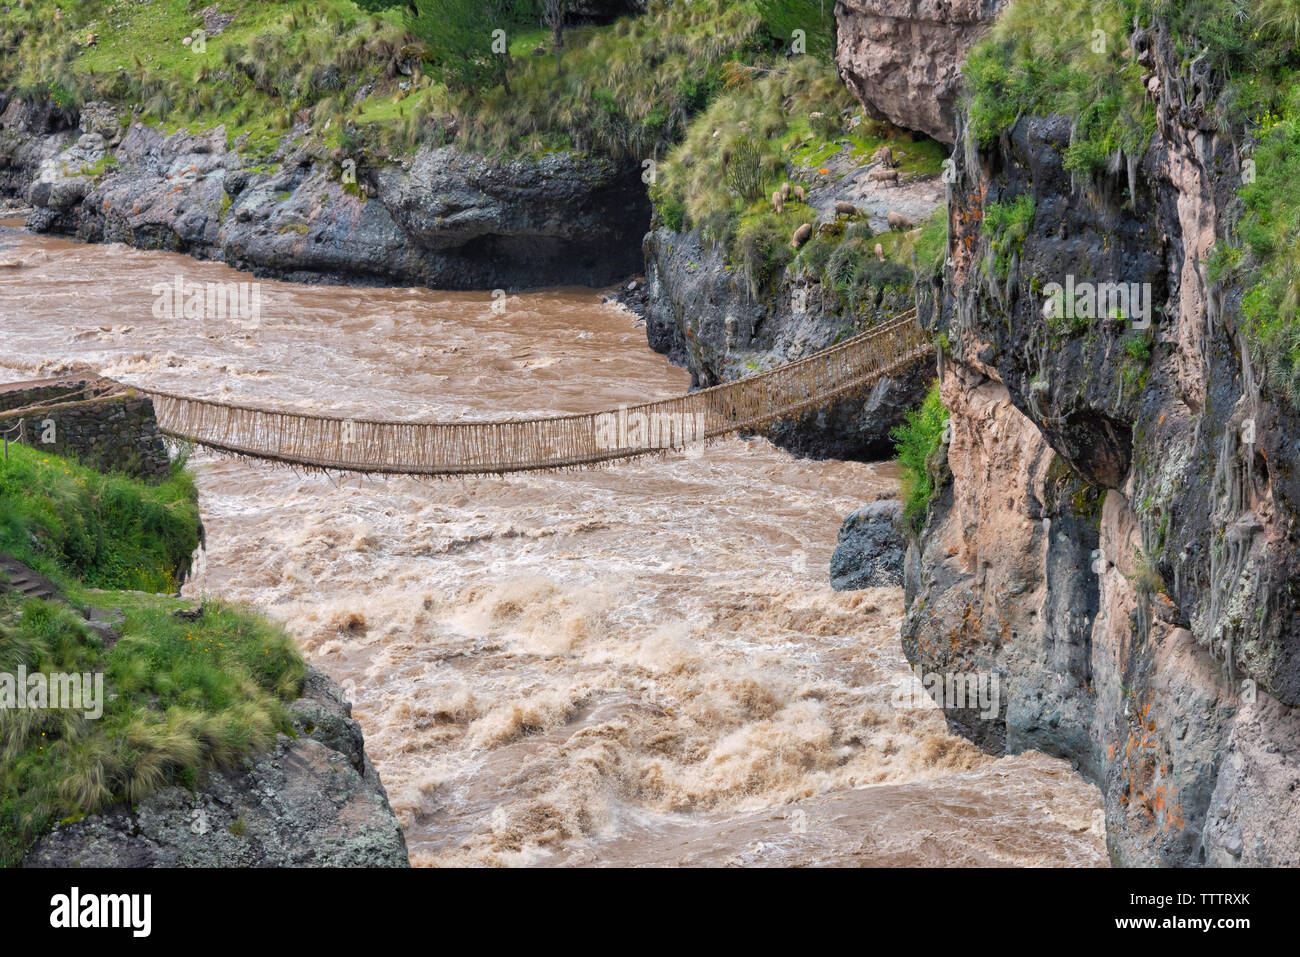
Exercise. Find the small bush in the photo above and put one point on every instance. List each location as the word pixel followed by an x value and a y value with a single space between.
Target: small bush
pixel 763 250
pixel 916 441
pixel 673 211
pixel 744 173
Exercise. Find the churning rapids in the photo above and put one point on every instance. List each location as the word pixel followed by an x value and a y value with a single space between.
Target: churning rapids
pixel 637 665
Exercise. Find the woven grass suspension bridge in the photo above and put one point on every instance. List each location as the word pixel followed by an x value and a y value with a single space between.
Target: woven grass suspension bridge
pixel 537 444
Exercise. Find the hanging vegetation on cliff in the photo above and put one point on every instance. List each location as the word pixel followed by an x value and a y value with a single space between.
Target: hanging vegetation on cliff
pixel 918 440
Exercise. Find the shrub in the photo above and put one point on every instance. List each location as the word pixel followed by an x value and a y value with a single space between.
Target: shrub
pixel 673 211
pixel 763 249
pixel 744 173
pixel 916 442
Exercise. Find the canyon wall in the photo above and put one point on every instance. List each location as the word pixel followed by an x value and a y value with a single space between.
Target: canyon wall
pixel 1115 538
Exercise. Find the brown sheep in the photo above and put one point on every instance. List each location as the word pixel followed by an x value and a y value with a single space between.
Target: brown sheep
pixel 785 191
pixel 777 205
pixel 884 156
pixel 801 235
pixel 898 221
pixel 800 195
pixel 883 175
pixel 845 209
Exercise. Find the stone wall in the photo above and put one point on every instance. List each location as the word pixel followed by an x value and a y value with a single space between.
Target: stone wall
pixel 88 419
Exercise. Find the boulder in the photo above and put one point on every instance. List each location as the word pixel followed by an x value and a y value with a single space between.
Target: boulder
pixel 903 58
pixel 870 549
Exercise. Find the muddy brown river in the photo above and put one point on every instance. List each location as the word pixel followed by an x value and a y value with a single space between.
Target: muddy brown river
pixel 642 664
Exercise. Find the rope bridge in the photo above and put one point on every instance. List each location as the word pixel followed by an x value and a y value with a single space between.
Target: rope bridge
pixel 554 442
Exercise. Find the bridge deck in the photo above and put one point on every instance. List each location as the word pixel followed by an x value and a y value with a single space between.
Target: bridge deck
pixel 554 442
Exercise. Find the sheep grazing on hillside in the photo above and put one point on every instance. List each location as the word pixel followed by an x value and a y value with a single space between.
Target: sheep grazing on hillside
pixel 883 175
pixel 785 192
pixel 885 157
pixel 777 205
pixel 800 195
pixel 845 209
pixel 801 235
pixel 898 221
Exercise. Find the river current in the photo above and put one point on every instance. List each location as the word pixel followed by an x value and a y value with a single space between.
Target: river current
pixel 642 664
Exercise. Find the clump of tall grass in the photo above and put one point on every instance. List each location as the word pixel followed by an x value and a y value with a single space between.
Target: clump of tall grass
pixel 182 698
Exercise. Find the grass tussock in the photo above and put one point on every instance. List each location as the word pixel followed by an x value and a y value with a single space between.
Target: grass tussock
pixel 1063 56
pixel 741 150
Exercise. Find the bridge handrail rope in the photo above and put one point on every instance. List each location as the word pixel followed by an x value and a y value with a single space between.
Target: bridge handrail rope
pixel 336 442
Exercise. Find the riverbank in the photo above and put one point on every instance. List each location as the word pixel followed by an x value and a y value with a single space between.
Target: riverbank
pixel 195 733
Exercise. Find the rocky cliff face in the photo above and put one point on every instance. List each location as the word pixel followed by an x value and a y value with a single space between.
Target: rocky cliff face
pixel 442 218
pixel 902 58
pixel 1118 540
pixel 702 312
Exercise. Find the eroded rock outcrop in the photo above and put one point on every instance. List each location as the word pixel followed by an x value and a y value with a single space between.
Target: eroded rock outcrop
pixel 902 58
pixel 703 313
pixel 443 217
pixel 1118 542
pixel 310 801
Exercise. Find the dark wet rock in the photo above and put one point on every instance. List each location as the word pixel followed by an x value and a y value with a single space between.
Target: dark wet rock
pixel 442 217
pixel 870 549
